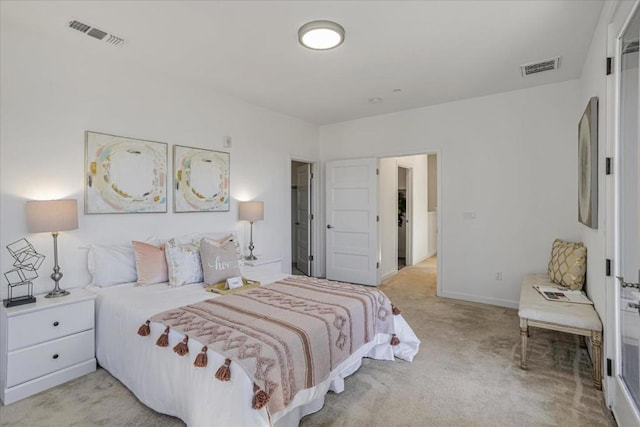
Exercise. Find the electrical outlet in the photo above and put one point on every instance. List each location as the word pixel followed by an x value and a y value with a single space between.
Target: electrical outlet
pixel 499 275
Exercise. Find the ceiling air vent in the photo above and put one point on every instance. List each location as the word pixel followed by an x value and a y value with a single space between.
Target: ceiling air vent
pixel 96 33
pixel 540 66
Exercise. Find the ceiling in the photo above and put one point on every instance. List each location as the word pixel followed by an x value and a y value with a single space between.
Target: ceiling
pixel 408 53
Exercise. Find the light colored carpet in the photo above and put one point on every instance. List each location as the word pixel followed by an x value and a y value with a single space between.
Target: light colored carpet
pixel 466 374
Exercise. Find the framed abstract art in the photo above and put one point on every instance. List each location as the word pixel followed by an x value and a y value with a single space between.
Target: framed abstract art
pixel 588 165
pixel 124 175
pixel 200 180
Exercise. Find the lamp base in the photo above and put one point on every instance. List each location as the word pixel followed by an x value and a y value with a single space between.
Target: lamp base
pixel 57 293
pixel 11 302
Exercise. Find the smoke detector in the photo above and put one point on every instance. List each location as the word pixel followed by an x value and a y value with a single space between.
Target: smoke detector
pixel 96 33
pixel 540 66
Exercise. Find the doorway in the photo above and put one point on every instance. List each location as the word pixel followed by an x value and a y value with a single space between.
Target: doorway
pixel 625 201
pixel 361 218
pixel 408 221
pixel 404 240
pixel 301 218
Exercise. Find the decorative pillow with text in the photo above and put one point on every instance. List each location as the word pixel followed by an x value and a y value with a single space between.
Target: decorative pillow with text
pixel 219 261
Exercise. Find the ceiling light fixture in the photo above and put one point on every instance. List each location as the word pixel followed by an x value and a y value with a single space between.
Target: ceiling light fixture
pixel 321 35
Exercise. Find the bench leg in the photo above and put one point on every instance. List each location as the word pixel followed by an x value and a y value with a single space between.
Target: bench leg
pixel 596 340
pixel 524 333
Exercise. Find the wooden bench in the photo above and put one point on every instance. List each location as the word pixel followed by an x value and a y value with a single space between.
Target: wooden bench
pixel 580 319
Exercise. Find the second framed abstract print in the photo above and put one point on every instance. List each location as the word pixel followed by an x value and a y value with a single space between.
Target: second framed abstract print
pixel 200 180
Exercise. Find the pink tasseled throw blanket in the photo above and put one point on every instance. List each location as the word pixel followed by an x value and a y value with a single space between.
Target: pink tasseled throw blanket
pixel 286 336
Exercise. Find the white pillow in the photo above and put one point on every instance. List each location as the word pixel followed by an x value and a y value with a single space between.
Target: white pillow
pixel 111 264
pixel 183 262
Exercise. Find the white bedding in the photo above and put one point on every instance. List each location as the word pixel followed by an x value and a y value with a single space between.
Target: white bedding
pixel 171 384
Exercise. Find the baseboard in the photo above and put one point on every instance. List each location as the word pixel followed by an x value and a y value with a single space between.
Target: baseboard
pixel 388 275
pixel 480 299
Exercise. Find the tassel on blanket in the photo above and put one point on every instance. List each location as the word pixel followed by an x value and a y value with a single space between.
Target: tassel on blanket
pixel 144 330
pixel 163 340
pixel 395 340
pixel 201 359
pixel 224 373
pixel 395 310
pixel 182 348
pixel 260 397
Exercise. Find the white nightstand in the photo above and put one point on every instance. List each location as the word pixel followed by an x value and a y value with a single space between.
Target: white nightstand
pixel 45 344
pixel 265 263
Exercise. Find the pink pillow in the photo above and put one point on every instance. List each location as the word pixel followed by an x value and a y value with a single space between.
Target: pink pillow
pixel 151 263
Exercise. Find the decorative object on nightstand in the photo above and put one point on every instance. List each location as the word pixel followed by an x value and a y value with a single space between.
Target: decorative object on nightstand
pixel 53 216
pixel 27 261
pixel 251 211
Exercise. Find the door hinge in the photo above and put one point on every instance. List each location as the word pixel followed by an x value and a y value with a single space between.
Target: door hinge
pixel 311 175
pixel 608 166
pixel 311 217
pixel 377 171
pixel 377 218
pixel 609 368
pixel 310 257
pixel 609 65
pixel 377 265
pixel 608 268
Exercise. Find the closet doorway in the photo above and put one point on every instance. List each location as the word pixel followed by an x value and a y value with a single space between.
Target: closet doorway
pixel 301 218
pixel 405 220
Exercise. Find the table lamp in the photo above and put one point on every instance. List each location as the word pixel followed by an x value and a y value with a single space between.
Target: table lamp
pixel 251 211
pixel 53 216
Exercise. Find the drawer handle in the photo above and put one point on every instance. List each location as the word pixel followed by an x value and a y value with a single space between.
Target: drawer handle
pixel 56 323
pixel 55 356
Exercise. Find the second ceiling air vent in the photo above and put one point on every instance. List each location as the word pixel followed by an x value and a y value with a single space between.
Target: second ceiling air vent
pixel 540 66
pixel 96 33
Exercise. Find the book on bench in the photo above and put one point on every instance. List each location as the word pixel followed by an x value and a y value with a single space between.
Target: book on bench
pixel 562 294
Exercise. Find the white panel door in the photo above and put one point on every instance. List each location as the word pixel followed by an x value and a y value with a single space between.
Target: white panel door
pixel 303 218
pixel 351 215
pixel 626 405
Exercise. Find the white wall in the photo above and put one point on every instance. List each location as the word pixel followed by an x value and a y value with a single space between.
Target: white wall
pixel 51 92
pixel 509 158
pixel 388 205
pixel 593 82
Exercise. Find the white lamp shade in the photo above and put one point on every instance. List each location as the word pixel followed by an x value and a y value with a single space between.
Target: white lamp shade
pixel 52 215
pixel 252 211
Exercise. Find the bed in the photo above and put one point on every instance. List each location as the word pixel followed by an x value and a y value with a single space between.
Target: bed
pixel 171 385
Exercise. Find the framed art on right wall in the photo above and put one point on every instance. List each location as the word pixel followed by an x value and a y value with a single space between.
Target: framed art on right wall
pixel 588 165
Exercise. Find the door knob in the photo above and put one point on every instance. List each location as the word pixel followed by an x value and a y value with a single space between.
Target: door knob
pixel 627 284
pixel 329 226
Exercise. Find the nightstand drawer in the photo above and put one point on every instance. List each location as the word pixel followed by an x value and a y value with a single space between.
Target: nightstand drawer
pixel 49 324
pixel 33 362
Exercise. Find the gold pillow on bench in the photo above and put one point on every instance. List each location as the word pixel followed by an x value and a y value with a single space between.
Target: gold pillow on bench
pixel 568 264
